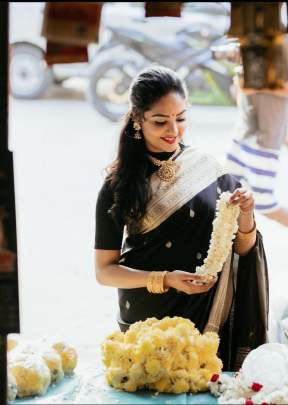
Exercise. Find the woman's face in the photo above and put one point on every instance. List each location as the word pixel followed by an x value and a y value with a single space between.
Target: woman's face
pixel 164 124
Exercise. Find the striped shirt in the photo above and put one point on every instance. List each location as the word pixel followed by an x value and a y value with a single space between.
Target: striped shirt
pixel 253 157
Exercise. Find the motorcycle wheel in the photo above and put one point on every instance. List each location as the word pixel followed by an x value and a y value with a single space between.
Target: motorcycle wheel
pixel 29 74
pixel 108 88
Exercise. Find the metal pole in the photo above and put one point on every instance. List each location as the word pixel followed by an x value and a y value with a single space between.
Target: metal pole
pixel 4 75
pixel 3 371
pixel 3 146
pixel 9 296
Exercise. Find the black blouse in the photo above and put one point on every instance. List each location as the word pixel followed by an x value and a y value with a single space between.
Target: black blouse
pixel 108 231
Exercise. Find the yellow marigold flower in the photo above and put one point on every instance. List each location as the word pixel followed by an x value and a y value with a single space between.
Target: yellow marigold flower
pixel 180 361
pixel 130 336
pixel 193 360
pixel 162 385
pixel 116 377
pixel 109 348
pixel 116 336
pixel 153 367
pixel 131 386
pixel 215 364
pixel 181 373
pixel 137 372
pixel 180 386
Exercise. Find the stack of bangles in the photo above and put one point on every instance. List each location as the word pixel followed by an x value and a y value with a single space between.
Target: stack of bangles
pixel 155 282
pixel 247 235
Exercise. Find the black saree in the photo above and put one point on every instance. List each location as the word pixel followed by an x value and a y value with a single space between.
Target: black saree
pixel 247 324
pixel 180 240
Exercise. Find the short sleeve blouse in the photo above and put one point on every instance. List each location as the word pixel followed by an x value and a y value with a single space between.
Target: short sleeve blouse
pixel 109 232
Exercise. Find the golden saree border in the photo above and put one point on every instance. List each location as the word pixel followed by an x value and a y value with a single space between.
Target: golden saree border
pixel 222 299
pixel 195 171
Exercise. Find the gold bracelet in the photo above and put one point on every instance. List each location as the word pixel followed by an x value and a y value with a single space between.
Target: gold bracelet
pixel 247 235
pixel 163 277
pixel 155 282
pixel 151 282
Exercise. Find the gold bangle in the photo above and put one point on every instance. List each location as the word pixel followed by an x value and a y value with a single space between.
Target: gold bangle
pixel 247 235
pixel 155 282
pixel 151 281
pixel 163 277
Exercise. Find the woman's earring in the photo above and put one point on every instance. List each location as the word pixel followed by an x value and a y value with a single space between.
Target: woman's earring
pixel 137 128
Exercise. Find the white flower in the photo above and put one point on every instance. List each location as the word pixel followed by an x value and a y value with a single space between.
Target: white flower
pixel 225 226
pixel 234 390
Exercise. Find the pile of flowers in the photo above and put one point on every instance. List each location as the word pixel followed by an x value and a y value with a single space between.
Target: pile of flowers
pixel 234 390
pixel 34 365
pixel 263 378
pixel 168 355
pixel 225 226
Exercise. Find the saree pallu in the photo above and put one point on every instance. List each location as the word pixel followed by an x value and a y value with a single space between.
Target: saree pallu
pixel 175 234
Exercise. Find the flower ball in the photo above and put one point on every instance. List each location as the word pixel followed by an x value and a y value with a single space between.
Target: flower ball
pixel 12 341
pixel 11 386
pixel 168 355
pixel 68 356
pixel 31 373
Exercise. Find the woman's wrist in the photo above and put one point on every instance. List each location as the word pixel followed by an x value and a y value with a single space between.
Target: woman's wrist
pixel 247 236
pixel 246 221
pixel 166 281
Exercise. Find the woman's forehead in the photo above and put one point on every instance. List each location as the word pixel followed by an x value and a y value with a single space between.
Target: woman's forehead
pixel 172 104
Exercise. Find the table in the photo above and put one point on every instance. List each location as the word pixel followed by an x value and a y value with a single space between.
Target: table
pixel 89 387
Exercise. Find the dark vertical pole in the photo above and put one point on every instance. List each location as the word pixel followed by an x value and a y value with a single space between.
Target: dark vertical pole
pixel 3 146
pixel 9 297
pixel 3 369
pixel 4 76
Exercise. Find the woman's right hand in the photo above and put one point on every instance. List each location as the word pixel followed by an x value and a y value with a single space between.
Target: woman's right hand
pixel 189 283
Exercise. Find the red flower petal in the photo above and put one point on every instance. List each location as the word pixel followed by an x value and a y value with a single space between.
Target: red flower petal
pixel 256 387
pixel 214 378
pixel 249 402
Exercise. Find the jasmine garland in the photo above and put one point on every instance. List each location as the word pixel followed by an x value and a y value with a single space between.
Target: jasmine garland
pixel 225 226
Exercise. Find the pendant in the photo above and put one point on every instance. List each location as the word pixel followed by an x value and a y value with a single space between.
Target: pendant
pixel 167 172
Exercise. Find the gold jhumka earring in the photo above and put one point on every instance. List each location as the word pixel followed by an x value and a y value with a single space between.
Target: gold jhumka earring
pixel 137 128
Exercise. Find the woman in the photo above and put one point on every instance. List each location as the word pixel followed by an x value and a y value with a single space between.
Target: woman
pixel 162 195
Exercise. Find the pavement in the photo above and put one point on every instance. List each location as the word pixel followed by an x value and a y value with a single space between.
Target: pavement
pixel 61 146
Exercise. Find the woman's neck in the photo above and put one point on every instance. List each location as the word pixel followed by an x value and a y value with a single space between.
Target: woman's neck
pixel 164 155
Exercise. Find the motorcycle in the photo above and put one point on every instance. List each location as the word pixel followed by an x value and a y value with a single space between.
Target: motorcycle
pixel 128 51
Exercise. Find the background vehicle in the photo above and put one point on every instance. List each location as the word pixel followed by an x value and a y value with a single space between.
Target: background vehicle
pixel 129 50
pixel 30 77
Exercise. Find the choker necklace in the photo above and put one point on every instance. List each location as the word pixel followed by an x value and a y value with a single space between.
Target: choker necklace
pixel 167 168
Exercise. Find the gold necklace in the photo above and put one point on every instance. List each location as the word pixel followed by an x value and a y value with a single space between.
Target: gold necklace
pixel 167 168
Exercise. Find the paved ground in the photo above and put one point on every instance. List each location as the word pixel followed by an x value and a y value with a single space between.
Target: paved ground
pixel 61 146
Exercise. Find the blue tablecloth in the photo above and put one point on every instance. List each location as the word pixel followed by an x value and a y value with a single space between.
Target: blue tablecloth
pixel 89 387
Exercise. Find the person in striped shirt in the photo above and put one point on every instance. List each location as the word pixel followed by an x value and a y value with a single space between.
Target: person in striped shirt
pixel 253 157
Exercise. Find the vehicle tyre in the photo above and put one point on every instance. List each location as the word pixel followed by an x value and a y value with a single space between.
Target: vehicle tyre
pixel 109 82
pixel 29 73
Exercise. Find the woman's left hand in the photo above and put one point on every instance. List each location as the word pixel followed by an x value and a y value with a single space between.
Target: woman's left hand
pixel 244 199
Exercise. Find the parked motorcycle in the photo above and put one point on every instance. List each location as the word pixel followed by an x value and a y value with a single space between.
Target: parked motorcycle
pixel 128 51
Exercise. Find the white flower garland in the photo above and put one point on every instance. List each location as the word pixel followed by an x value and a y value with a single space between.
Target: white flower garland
pixel 225 226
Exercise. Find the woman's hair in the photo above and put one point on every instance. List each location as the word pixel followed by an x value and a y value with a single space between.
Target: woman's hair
pixel 128 174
